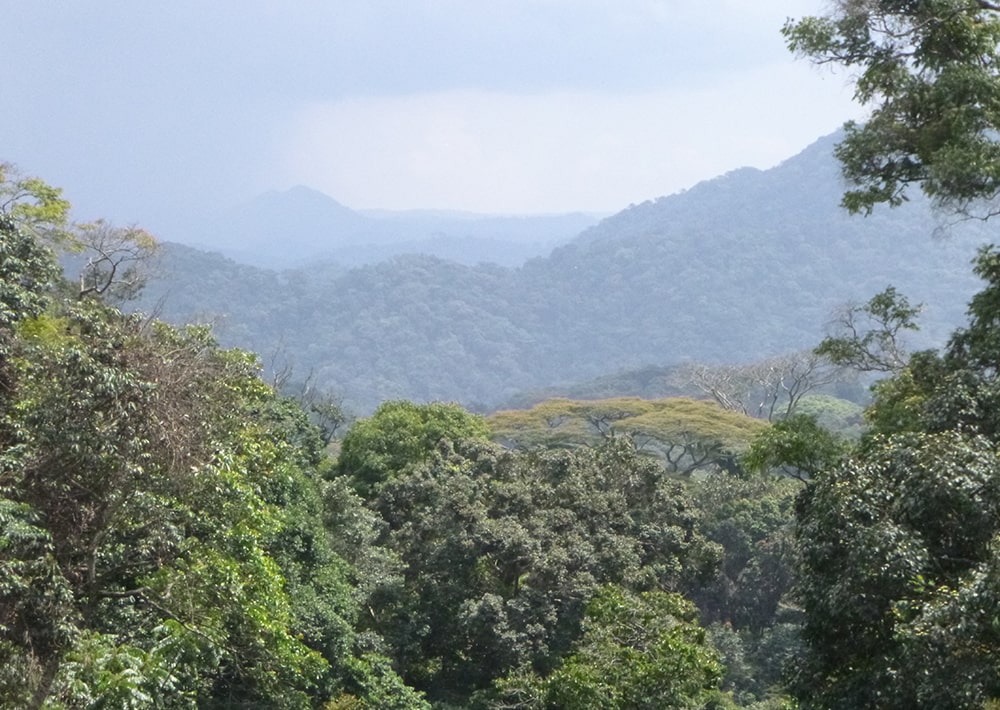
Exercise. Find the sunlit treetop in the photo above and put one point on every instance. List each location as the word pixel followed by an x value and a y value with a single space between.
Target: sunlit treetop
pixel 33 205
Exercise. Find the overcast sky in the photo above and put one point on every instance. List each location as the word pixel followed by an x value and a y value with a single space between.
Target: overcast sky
pixel 154 112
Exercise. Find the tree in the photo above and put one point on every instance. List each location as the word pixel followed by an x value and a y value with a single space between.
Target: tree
pixel 165 532
pixel 27 273
pixel 113 261
pixel 768 389
pixel 116 259
pixel 326 410
pixel 637 651
pixel 33 206
pixel 398 435
pixel 888 541
pixel 132 465
pixel 796 447
pixel 751 520
pixel 869 336
pixel 898 542
pixel 503 549
pixel 930 71
pixel 686 435
pixel 167 537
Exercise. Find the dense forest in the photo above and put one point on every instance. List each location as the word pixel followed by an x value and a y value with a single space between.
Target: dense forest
pixel 175 534
pixel 181 527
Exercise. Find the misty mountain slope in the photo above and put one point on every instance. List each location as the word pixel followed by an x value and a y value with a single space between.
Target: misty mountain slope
pixel 305 218
pixel 301 226
pixel 744 266
pixel 748 264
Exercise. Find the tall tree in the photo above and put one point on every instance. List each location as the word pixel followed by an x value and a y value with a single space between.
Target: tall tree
pixel 899 541
pixel 930 71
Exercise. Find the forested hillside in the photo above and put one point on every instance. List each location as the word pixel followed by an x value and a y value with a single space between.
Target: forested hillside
pixel 749 265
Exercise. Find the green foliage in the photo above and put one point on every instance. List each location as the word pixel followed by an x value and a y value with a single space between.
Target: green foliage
pixel 929 70
pixel 503 549
pixel 33 206
pixel 637 651
pixel 977 346
pixel 886 539
pixel 899 402
pixel 797 446
pixel 841 417
pixel 756 663
pixel 140 453
pixel 898 543
pixel 878 348
pixel 113 261
pixel 751 521
pixel 27 271
pixel 163 528
pixel 399 435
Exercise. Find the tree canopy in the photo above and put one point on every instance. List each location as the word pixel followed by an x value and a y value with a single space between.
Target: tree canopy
pixel 686 435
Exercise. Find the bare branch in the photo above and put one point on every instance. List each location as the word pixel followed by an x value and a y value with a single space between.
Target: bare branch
pixel 116 259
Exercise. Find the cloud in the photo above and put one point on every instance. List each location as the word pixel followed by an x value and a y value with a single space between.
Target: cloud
pixel 557 151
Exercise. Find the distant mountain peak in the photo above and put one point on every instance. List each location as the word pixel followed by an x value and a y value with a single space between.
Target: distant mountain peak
pixel 298 195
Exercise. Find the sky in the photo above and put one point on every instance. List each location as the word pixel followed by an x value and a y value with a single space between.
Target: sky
pixel 159 113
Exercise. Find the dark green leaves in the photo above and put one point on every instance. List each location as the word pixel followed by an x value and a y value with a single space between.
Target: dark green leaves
pixel 882 538
pixel 27 271
pixel 503 550
pixel 931 73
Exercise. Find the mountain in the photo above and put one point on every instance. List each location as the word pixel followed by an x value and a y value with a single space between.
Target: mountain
pixel 302 226
pixel 748 265
pixel 304 218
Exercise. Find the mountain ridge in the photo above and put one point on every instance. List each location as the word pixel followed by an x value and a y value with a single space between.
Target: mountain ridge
pixel 748 265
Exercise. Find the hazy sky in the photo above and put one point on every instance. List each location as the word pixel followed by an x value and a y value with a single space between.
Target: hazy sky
pixel 156 112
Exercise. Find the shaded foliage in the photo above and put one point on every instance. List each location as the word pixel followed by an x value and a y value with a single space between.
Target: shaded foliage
pixel 163 537
pixel 503 550
pixel 898 541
